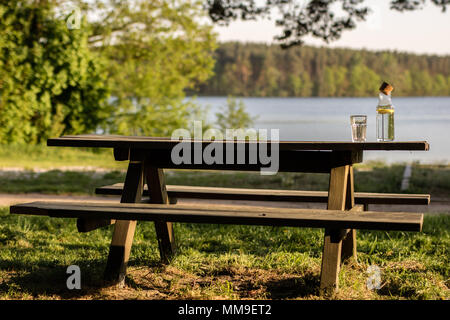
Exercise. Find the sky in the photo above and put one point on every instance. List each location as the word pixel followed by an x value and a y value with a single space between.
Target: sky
pixel 425 31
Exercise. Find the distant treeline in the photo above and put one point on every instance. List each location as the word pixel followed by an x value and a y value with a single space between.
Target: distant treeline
pixel 267 70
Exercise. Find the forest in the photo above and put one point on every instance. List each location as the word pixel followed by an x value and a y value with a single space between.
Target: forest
pixel 252 69
pixel 67 73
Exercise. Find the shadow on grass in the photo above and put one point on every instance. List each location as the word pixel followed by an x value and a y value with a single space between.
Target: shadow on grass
pixel 227 282
pixel 294 287
pixel 398 289
pixel 291 287
pixel 49 282
pixel 47 278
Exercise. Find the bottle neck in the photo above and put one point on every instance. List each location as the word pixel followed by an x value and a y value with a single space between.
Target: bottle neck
pixel 384 100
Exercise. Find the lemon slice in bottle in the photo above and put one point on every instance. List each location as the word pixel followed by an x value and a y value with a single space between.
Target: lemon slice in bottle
pixel 385 110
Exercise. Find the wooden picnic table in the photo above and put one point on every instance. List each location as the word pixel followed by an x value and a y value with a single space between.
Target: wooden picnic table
pixel 148 156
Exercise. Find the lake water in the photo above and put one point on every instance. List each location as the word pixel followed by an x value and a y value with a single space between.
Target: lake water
pixel 328 119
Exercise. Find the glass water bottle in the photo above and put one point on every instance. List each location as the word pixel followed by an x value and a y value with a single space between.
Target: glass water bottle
pixel 385 114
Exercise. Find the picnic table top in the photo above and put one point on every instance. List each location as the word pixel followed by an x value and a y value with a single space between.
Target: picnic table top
pixel 161 143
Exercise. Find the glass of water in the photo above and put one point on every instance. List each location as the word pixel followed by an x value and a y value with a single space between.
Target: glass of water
pixel 359 127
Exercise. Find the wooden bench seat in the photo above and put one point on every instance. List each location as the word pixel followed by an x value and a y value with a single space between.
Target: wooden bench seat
pixel 364 198
pixel 225 214
pixel 337 224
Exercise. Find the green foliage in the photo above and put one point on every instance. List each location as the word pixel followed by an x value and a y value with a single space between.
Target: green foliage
pixel 363 81
pixel 152 60
pixel 260 70
pixel 297 19
pixel 51 83
pixel 234 116
pixel 124 70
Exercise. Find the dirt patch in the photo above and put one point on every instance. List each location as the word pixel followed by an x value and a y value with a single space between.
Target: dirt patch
pixel 232 283
pixel 170 283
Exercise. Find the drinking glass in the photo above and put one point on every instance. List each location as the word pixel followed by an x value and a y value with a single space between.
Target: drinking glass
pixel 359 127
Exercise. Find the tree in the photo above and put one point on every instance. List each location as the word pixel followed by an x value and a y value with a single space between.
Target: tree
pixel 267 83
pixel 305 71
pixel 440 86
pixel 234 116
pixel 363 81
pixel 294 85
pixel 340 78
pixel 422 82
pixel 51 83
pixel 141 54
pixel 155 50
pixel 334 81
pixel 328 86
pixel 317 18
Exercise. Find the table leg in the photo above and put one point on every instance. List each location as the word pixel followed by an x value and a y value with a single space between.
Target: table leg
pixel 158 194
pixel 122 239
pixel 349 242
pixel 331 258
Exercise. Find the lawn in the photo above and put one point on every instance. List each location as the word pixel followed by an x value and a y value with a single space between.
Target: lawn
pixel 40 156
pixel 218 262
pixel 373 177
pixel 38 168
pixel 212 261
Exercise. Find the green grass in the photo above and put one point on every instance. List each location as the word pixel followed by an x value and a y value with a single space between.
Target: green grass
pixel 371 176
pixel 425 179
pixel 218 261
pixel 434 179
pixel 40 156
pixel 57 181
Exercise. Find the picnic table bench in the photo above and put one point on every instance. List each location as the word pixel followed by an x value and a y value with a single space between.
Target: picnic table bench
pixel 195 192
pixel 148 157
